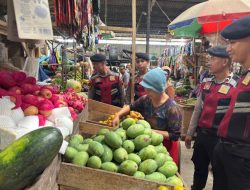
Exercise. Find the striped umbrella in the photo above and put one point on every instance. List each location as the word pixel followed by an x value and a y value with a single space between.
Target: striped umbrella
pixel 208 17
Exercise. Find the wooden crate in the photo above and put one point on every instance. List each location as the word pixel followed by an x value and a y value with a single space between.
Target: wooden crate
pixel 73 177
pixel 48 179
pixel 186 112
pixel 99 111
pixel 88 129
pixel 78 120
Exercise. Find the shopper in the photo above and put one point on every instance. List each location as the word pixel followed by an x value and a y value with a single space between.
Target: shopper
pixel 105 86
pixel 128 67
pixel 158 109
pixel 170 91
pixel 125 77
pixel 212 103
pixel 142 64
pixel 232 153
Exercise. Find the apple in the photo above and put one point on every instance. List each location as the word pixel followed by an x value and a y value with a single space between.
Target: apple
pixel 45 113
pixel 30 99
pixel 31 110
pixel 46 93
pixel 60 103
pixel 46 107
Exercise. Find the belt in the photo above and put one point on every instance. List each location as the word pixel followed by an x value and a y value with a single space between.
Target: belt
pixel 207 131
pixel 234 144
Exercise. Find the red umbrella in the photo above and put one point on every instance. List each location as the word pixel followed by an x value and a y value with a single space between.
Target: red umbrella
pixel 209 17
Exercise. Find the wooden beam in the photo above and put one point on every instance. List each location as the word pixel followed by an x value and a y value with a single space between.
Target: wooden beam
pixel 115 29
pixel 133 49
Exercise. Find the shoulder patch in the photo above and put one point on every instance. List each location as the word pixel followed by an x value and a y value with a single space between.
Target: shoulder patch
pixel 208 79
pixel 233 80
pixel 112 78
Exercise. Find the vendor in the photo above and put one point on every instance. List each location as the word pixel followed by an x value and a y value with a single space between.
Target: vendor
pixel 170 91
pixel 210 108
pixel 105 85
pixel 232 153
pixel 142 64
pixel 158 109
pixel 125 77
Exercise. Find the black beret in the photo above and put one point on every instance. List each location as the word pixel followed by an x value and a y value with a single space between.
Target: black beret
pixel 98 58
pixel 143 56
pixel 238 29
pixel 218 51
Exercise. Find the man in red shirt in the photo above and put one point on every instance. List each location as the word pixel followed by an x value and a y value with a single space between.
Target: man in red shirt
pixel 232 153
pixel 105 85
pixel 210 108
pixel 142 64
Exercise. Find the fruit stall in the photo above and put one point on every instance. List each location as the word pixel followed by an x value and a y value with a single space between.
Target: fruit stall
pixel 129 157
pixel 26 109
pixel 42 116
pixel 52 137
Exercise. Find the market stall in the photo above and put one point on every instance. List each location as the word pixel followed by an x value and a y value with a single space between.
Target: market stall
pixel 42 119
pixel 114 155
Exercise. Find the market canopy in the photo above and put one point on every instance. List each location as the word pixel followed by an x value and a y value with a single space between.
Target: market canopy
pixel 208 17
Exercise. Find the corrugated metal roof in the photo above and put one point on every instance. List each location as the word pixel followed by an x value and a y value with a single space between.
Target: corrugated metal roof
pixel 119 13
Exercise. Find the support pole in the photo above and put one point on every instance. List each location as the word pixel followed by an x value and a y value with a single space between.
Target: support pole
pixel 133 48
pixel 195 63
pixel 148 27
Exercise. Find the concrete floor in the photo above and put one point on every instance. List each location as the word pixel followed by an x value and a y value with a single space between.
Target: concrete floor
pixel 187 167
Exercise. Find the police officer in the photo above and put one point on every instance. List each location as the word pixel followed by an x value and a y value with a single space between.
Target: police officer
pixel 232 153
pixel 210 108
pixel 142 64
pixel 105 85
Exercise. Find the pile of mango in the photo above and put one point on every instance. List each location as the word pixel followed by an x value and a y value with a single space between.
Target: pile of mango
pixel 133 149
pixel 133 114
pixel 109 121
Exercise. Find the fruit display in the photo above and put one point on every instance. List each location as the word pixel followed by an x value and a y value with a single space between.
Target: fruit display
pixel 134 149
pixel 187 102
pixel 108 121
pixel 33 98
pixel 74 85
pixel 26 106
pixel 135 116
pixel 181 91
pixel 26 158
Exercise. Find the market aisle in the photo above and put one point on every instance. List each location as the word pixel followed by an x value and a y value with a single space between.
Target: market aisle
pixel 187 169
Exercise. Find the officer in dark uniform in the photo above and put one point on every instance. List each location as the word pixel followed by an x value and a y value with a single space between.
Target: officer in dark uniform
pixel 105 85
pixel 210 108
pixel 142 64
pixel 232 153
